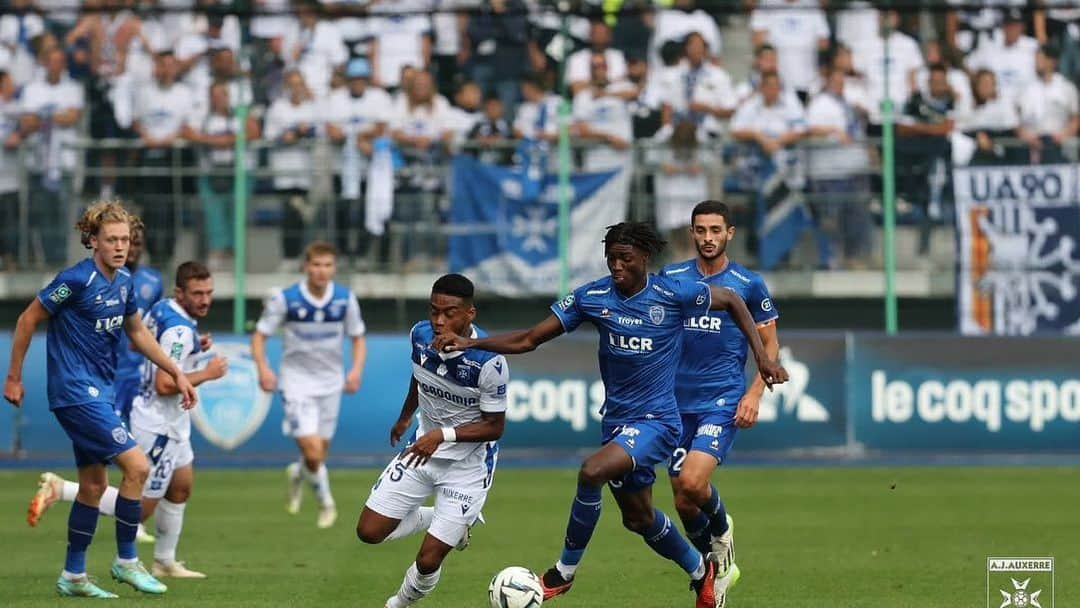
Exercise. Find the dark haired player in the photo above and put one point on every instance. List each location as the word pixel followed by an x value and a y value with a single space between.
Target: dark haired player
pixel 639 317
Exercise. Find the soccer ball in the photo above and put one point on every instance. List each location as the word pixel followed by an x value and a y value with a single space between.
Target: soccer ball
pixel 515 587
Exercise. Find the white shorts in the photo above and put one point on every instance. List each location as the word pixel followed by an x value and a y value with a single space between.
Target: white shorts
pixel 460 488
pixel 165 456
pixel 307 415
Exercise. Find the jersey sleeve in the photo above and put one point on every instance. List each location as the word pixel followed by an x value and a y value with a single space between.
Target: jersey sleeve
pixel 354 322
pixel 493 378
pixel 760 302
pixel 695 297
pixel 273 314
pixel 569 312
pixel 60 291
pixel 179 342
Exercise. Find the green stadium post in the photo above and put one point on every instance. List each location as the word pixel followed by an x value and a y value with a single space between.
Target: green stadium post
pixel 240 191
pixel 888 179
pixel 564 161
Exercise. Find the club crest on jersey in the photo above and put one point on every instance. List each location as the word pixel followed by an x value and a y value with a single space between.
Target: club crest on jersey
pixel 119 435
pixel 700 300
pixel 656 314
pixel 766 304
pixel 463 373
pixel 232 408
pixel 146 291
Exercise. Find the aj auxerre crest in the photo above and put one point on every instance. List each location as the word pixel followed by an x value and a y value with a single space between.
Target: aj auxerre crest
pixel 231 409
pixel 1020 582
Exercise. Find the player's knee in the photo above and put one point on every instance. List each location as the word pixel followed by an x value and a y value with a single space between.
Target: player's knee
pixel 691 490
pixel 369 534
pixel 138 471
pixel 178 494
pixel 592 474
pixel 312 460
pixel 638 523
pixel 91 490
pixel 428 561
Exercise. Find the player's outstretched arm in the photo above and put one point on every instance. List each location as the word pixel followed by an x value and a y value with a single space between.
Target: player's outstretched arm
pixel 145 344
pixel 28 321
pixel 408 410
pixel 164 384
pixel 725 299
pixel 488 428
pixel 512 343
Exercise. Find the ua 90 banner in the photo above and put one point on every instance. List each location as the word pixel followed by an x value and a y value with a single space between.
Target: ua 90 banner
pixel 1018 263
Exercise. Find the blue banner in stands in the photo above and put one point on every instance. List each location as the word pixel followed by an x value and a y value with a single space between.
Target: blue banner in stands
pixel 505 226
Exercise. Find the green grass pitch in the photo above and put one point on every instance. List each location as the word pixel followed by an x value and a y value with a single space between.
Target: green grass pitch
pixel 805 537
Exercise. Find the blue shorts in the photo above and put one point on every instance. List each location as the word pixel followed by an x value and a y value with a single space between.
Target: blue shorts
pixel 126 389
pixel 96 432
pixel 709 432
pixel 649 442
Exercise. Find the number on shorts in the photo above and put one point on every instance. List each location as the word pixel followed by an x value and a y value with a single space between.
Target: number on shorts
pixel 677 459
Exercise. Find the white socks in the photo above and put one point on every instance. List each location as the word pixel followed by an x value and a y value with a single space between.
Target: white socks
pixel 320 484
pixel 70 490
pixel 169 518
pixel 566 571
pixel 417 521
pixel 415 586
pixel 107 506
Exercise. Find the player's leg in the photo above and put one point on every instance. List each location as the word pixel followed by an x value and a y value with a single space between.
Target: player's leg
pixel 170 523
pixel 423 574
pixel 82 523
pixel 128 513
pixel 328 406
pixel 607 463
pixel 301 422
pixel 393 509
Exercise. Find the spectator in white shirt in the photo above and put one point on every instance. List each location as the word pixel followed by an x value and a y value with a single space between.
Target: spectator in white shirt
pixel 397 40
pixel 991 117
pixel 215 132
pixel 601 117
pixel 293 122
pixel 681 182
pixel 17 29
pixel 905 59
pixel 314 46
pixel 769 119
pixel 1012 60
pixel 700 91
pixel 162 107
pixel 51 110
pixel 1049 113
pixel 212 32
pixel 356 119
pixel 681 19
pixel 798 32
pixel 538 115
pixel 838 170
pixel 578 64
pixel 420 121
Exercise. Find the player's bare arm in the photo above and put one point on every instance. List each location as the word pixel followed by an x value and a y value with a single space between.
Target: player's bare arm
pixel 144 343
pixel 165 385
pixel 770 371
pixel 408 410
pixel 267 379
pixel 28 321
pixel 513 343
pixel 355 374
pixel 488 428
pixel 747 413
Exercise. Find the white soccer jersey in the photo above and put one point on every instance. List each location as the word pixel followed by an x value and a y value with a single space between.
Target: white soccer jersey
pixel 177 334
pixel 311 362
pixel 455 388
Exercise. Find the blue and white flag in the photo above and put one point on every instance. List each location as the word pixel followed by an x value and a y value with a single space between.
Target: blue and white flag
pixel 505 225
pixel 781 212
pixel 1018 241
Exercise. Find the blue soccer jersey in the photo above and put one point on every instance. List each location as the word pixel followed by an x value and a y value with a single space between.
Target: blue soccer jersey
pixel 640 341
pixel 711 372
pixel 87 317
pixel 148 290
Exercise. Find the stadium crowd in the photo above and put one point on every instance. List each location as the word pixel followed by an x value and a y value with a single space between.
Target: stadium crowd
pixel 414 81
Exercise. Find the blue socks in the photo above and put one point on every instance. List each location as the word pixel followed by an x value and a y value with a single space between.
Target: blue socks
pixel 698 531
pixel 128 514
pixel 714 508
pixel 665 539
pixel 584 514
pixel 82 522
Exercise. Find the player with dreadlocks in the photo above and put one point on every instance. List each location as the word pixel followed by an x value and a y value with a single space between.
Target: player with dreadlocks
pixel 639 317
